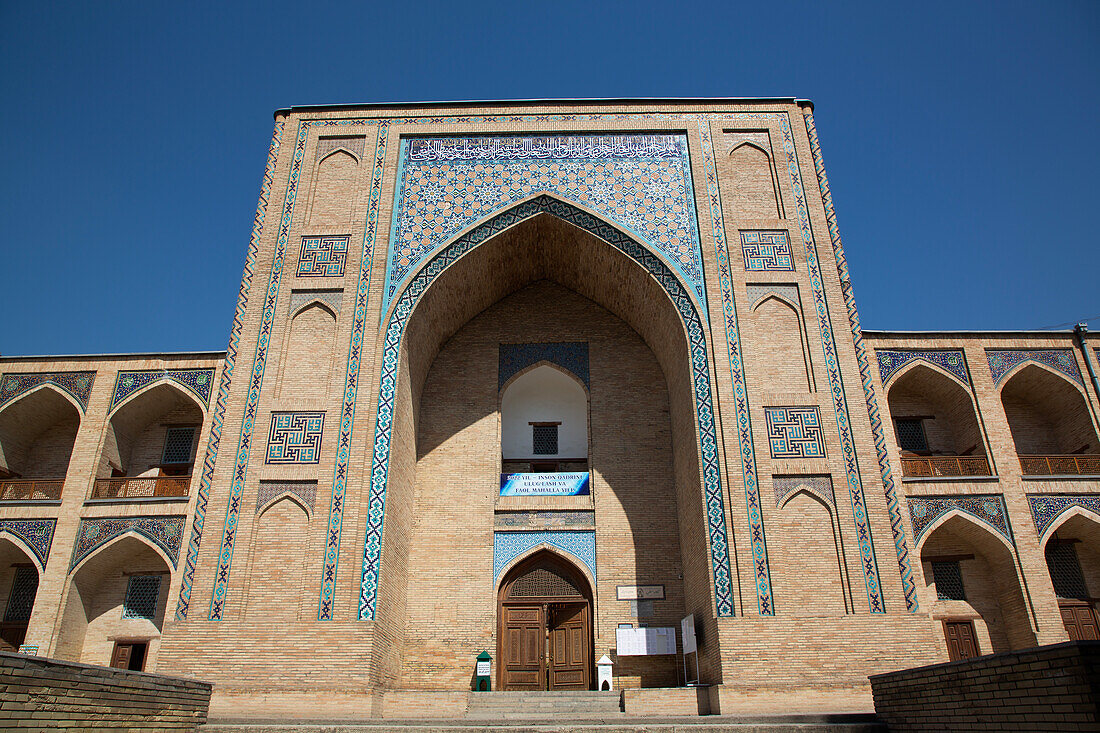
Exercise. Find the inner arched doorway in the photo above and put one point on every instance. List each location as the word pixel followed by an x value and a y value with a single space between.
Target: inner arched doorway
pixel 544 638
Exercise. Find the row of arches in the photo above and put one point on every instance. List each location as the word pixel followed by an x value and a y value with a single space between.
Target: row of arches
pixel 938 430
pixel 148 447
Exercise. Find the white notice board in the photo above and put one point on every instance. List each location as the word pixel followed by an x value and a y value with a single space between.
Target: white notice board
pixel 687 633
pixel 644 642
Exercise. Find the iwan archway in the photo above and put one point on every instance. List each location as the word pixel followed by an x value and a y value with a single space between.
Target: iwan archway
pixel 549 249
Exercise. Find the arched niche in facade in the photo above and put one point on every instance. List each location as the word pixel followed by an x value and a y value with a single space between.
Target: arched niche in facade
pixel 1072 552
pixel 19 575
pixel 37 434
pixel 1048 416
pixel 544 420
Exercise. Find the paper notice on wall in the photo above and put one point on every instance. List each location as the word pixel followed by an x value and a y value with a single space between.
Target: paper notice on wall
pixel 645 642
pixel 687 633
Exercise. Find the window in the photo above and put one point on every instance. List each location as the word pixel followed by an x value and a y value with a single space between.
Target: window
pixel 911 434
pixel 949 581
pixel 544 440
pixel 23 589
pixel 142 594
pixel 1065 571
pixel 177 445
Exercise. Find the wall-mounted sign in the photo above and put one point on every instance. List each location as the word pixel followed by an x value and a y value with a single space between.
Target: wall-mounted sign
pixel 687 633
pixel 645 641
pixel 483 669
pixel 640 592
pixel 544 484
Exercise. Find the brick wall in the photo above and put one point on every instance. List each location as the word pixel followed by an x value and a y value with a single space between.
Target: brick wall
pixel 47 693
pixel 1053 688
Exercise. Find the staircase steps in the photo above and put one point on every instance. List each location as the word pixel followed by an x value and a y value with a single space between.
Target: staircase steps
pixel 551 706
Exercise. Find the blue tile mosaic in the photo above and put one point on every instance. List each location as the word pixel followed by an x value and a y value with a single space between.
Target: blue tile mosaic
pixel 1046 509
pixel 323 256
pixel 765 251
pixel 295 438
pixel 77 384
pixel 989 508
pixel 166 532
pixel 951 361
pixel 571 356
pixel 507 546
pixel 37 534
pixel 794 432
pixel 1001 362
pixel 196 381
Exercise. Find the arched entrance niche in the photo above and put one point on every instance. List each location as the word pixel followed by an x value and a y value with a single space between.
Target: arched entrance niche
pixel 149 448
pixel 1072 552
pixel 19 575
pixel 543 261
pixel 37 433
pixel 114 611
pixel 544 421
pixel 544 637
pixel 935 425
pixel 1050 423
pixel 973 588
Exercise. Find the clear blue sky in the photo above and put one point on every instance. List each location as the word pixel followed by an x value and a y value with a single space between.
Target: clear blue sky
pixel 961 139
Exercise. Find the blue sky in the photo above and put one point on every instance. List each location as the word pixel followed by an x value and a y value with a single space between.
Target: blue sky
pixel 959 137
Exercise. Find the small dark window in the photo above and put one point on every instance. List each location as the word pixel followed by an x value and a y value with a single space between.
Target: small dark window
pixel 177 445
pixel 545 440
pixel 1065 571
pixel 911 434
pixel 142 594
pixel 949 581
pixel 21 600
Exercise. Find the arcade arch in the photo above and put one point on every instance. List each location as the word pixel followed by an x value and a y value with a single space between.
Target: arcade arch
pixel 1050 422
pixel 1072 553
pixel 19 576
pixel 544 422
pixel 37 433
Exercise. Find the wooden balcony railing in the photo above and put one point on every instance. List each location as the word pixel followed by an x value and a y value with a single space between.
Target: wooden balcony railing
pixel 936 466
pixel 30 489
pixel 1074 465
pixel 141 488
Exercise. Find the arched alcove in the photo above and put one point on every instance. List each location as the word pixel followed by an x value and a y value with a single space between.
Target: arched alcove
pixel 777 348
pixel 149 446
pixel 550 281
pixel 1050 423
pixel 114 607
pixel 1072 553
pixel 37 433
pixel 804 556
pixel 18 588
pixel 935 426
pixel 971 578
pixel 752 187
pixel 280 539
pixel 334 190
pixel 307 355
pixel 544 422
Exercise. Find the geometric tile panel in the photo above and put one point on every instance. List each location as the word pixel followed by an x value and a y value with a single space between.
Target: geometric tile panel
pixel 331 298
pixel 893 504
pixel 323 256
pixel 951 361
pixel 990 508
pixel 295 437
pixel 36 533
pixel 1001 362
pixel 1046 508
pixel 77 384
pixel 794 432
pixel 447 184
pixel 217 420
pixel 571 356
pixel 820 486
pixel 166 532
pixel 509 545
pixel 766 251
pixel 306 491
pixel 198 381
pixel 755 292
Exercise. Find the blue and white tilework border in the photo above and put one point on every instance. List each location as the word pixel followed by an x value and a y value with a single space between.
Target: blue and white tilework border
pixel 196 381
pixel 893 505
pixel 988 508
pixel 36 533
pixel 166 532
pixel 1047 508
pixel 1001 362
pixel 78 385
pixel 507 546
pixel 682 300
pixel 952 361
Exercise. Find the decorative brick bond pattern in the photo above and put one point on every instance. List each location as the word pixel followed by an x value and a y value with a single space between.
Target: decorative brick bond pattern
pixel 42 694
pixel 1050 688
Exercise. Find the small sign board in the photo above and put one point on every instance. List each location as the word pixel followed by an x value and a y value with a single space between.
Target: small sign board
pixel 687 633
pixel 640 592
pixel 544 484
pixel 645 641
pixel 482 669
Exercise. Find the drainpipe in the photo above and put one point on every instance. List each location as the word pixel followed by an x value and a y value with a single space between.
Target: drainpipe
pixel 1079 331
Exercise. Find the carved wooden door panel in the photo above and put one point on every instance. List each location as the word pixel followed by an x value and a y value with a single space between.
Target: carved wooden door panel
pixel 570 647
pixel 1079 618
pixel 962 642
pixel 524 637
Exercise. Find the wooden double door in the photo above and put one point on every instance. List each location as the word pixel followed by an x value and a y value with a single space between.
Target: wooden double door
pixel 545 631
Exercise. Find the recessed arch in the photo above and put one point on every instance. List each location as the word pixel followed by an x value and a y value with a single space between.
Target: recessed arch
pixel 772 295
pixel 45 386
pixel 38 431
pixel 533 400
pixel 541 363
pixel 918 363
pixel 21 544
pixel 578 563
pixel 130 534
pixel 954 516
pixel 1048 415
pixel 164 381
pixel 1067 515
pixel 289 495
pixel 748 143
pixel 20 574
pixel 337 150
pixel 311 302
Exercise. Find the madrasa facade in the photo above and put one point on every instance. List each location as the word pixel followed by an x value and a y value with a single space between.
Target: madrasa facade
pixel 544 383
